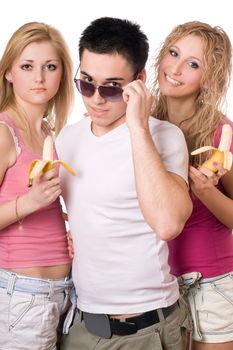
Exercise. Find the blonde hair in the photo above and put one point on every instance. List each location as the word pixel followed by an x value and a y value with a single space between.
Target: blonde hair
pixel 60 105
pixel 201 126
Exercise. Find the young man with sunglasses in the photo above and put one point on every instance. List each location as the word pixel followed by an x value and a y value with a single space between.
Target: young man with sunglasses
pixel 129 197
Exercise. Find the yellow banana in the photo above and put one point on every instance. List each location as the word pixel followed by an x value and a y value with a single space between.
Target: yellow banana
pixel 46 163
pixel 221 154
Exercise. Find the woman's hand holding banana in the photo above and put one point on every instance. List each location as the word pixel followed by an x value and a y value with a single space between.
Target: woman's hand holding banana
pixel 221 158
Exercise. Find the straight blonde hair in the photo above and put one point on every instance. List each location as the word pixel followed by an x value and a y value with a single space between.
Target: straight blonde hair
pixel 60 105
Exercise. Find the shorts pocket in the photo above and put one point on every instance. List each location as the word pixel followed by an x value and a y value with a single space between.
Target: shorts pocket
pixel 33 321
pixel 19 307
pixel 224 289
pixel 148 340
pixel 215 307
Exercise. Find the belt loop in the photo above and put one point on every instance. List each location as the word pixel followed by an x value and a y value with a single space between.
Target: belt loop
pixel 66 299
pixel 51 288
pixel 79 315
pixel 11 283
pixel 161 315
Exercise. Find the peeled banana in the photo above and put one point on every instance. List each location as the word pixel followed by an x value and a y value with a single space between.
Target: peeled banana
pixel 46 163
pixel 221 154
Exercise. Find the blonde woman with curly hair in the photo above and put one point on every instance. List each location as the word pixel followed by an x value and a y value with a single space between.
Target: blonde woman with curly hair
pixel 193 73
pixel 35 98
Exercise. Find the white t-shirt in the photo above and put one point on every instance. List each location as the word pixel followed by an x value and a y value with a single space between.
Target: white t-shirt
pixel 120 265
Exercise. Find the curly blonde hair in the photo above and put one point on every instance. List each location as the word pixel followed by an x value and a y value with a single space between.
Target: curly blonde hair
pixel 201 126
pixel 59 107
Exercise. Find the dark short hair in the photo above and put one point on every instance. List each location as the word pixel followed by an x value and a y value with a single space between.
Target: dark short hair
pixel 108 35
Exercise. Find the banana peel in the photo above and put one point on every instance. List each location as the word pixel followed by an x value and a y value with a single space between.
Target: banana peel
pixel 39 166
pixel 221 154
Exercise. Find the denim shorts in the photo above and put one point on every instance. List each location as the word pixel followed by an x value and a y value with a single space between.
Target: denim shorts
pixel 30 310
pixel 211 306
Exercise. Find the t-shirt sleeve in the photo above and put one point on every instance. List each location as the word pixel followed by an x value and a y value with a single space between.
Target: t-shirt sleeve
pixel 171 145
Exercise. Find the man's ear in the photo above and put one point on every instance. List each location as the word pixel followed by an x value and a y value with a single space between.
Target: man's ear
pixel 8 77
pixel 142 75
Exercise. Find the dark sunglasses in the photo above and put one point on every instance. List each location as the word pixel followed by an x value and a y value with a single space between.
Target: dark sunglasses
pixel 109 93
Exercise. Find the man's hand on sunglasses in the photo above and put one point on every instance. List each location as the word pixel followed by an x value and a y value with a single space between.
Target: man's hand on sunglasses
pixel 139 101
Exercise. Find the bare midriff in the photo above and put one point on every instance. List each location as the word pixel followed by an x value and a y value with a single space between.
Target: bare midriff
pixel 45 272
pixel 124 316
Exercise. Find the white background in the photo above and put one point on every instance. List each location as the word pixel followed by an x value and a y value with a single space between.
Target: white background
pixel 156 18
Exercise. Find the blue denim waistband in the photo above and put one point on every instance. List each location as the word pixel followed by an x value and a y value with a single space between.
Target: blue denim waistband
pixel 14 282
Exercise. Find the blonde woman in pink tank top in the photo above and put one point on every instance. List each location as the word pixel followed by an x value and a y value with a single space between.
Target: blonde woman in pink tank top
pixel 35 98
pixel 193 71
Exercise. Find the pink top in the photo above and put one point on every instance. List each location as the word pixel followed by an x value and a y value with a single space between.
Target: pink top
pixel 205 245
pixel 42 241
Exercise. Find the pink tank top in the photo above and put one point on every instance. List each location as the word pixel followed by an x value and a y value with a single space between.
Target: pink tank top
pixel 205 244
pixel 42 241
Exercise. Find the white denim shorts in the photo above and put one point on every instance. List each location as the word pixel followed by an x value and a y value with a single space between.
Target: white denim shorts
pixel 211 305
pixel 30 310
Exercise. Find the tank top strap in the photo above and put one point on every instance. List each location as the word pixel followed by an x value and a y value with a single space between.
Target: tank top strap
pixel 4 119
